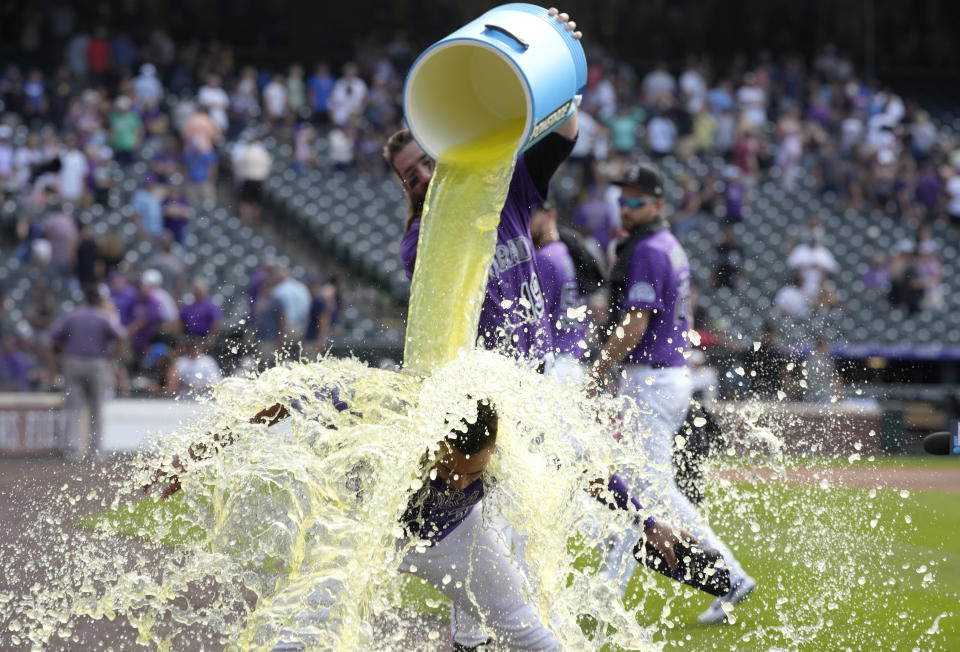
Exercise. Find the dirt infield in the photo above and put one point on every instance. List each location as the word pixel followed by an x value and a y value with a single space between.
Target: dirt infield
pixel 884 477
pixel 28 486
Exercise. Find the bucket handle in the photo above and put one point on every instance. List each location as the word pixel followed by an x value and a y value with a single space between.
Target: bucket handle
pixel 503 30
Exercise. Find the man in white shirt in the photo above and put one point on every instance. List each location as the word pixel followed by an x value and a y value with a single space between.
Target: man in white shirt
pixel 275 99
pixel 73 170
pixel 813 262
pixel 215 100
pixel 348 97
pixel 792 300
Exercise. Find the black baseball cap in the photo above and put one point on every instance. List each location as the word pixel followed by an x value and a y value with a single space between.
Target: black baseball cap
pixel 643 177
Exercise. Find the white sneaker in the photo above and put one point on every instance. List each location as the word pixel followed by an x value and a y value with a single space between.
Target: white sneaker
pixel 717 612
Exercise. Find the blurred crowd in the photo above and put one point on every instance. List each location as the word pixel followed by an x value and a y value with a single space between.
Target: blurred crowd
pixel 190 114
pixel 158 116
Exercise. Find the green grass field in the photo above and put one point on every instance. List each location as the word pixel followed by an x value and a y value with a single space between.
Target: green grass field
pixel 824 606
pixel 837 568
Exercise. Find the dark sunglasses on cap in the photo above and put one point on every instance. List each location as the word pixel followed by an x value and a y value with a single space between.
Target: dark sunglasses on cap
pixel 633 203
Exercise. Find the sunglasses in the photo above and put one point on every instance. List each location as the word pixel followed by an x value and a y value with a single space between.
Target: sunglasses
pixel 633 203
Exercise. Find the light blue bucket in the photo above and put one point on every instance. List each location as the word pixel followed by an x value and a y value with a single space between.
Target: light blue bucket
pixel 513 62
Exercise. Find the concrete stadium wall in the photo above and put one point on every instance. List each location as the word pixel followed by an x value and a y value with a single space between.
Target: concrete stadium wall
pixel 35 423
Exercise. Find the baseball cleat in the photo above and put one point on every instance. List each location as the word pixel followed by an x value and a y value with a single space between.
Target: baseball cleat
pixel 717 612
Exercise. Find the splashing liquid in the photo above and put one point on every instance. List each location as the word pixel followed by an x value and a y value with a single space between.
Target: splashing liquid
pixel 292 532
pixel 458 235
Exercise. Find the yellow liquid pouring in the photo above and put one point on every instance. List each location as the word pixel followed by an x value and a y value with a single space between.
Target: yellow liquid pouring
pixel 458 235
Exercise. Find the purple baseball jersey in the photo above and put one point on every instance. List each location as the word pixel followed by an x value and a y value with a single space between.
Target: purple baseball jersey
pixel 512 318
pixel 148 307
pixel 436 509
pixel 86 332
pixel 558 279
pixel 658 279
pixel 199 317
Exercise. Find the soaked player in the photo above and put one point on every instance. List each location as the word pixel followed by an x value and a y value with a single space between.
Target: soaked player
pixel 650 305
pixel 565 308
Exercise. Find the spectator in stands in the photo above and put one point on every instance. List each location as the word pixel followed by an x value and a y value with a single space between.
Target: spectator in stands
pixel 296 91
pixel 623 129
pixel 792 300
pixel 821 383
pixel 149 312
pixel 319 87
pixel 877 277
pixel 147 207
pixel 167 259
pixel 765 365
pixel 6 156
pixel 199 131
pixel 658 85
pixel 147 89
pixel 789 148
pixel 73 170
pixel 348 97
pixel 303 155
pixel 319 320
pixel 752 102
pixel 123 295
pixel 275 102
pixel 201 167
pixel 661 133
pixel 177 213
pixel 811 258
pixel 929 275
pixel 728 265
pixel 201 318
pixel 126 130
pixel 110 251
pixel 42 307
pixel 952 185
pixel 193 370
pixel 295 299
pixel 245 101
pixel 736 195
pixel 215 101
pixel 905 288
pixel 269 322
pixel 14 364
pixel 86 336
pixel 86 267
pixel 60 230
pixel 746 153
pixel 252 165
pixel 342 141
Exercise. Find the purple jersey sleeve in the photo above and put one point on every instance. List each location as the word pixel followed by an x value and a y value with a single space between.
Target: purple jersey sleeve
pixel 645 279
pixel 408 247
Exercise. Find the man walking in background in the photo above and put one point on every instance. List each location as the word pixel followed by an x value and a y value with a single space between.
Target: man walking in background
pixel 650 306
pixel 86 336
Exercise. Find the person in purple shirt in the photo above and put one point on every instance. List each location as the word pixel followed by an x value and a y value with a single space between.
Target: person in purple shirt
pixel 14 365
pixel 86 336
pixel 593 218
pixel 513 316
pixel 148 316
pixel 202 318
pixel 123 295
pixel 565 307
pixel 650 310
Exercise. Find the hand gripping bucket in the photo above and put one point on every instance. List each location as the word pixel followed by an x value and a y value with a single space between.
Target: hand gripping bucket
pixel 513 63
